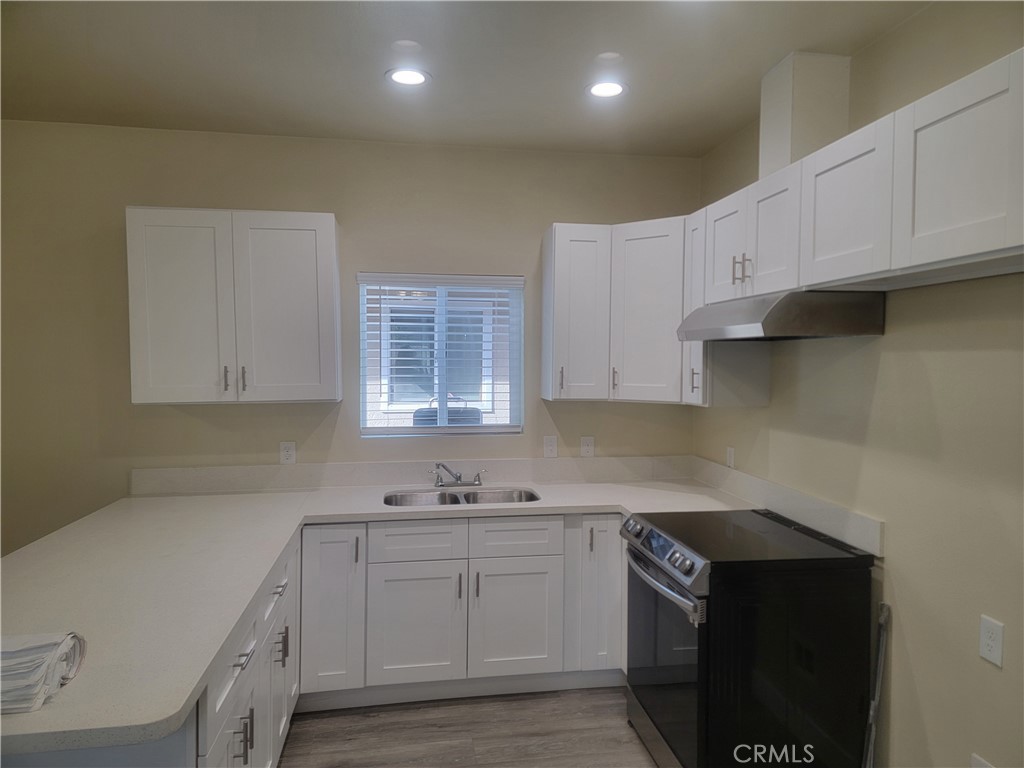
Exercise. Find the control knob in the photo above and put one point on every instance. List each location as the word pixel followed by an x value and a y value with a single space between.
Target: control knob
pixel 633 527
pixel 678 560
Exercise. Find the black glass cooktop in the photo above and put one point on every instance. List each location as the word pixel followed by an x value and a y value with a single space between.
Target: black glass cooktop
pixel 749 536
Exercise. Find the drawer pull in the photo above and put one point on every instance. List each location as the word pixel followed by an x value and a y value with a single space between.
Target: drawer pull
pixel 245 658
pixel 284 644
pixel 281 588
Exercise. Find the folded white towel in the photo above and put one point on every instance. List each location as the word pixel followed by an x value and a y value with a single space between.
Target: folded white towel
pixel 34 667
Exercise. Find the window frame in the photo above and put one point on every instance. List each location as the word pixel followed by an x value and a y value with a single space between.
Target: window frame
pixel 442 285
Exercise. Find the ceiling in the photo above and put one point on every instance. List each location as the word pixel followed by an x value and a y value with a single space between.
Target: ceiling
pixel 503 74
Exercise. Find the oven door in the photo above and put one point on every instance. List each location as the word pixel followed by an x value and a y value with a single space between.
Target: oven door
pixel 666 667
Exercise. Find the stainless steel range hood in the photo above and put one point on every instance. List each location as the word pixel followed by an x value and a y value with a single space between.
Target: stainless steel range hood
pixel 788 315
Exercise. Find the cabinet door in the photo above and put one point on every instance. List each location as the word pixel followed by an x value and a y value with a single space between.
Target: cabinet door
pixel 726 248
pixel 398 541
pixel 773 233
pixel 233 745
pixel 957 189
pixel 846 206
pixel 416 622
pixel 515 536
pixel 286 299
pixel 577 271
pixel 333 607
pixel 646 309
pixel 515 615
pixel 693 298
pixel 601 613
pixel 181 305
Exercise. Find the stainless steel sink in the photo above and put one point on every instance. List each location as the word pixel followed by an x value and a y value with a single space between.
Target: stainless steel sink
pixel 420 498
pixel 445 496
pixel 500 496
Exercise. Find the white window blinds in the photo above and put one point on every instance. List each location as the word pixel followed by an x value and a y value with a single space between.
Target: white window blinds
pixel 424 335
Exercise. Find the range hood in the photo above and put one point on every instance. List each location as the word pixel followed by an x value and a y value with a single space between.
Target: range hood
pixel 788 315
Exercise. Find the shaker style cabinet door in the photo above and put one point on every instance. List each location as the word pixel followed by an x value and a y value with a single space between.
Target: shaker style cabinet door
pixel 333 607
pixel 286 306
pixel 574 343
pixel 601 590
pixel 772 261
pixel 846 206
pixel 693 298
pixel 181 305
pixel 646 309
pixel 515 615
pixel 416 621
pixel 959 172
pixel 726 248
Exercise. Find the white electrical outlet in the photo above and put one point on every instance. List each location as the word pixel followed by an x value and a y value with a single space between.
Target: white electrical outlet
pixel 977 761
pixel 586 447
pixel 990 646
pixel 550 446
pixel 287 453
pixel 730 457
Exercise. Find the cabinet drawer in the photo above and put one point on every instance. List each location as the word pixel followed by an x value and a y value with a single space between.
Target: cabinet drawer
pixel 408 541
pixel 513 536
pixel 232 669
pixel 283 582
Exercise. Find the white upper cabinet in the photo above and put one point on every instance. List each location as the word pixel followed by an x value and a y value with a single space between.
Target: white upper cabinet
pixel 693 298
pixel 229 306
pixel 726 244
pixel 577 274
pixel 181 298
pixel 846 216
pixel 772 260
pixel 958 168
pixel 646 309
pixel 286 305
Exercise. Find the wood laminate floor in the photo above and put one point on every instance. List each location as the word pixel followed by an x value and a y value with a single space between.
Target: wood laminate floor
pixel 563 729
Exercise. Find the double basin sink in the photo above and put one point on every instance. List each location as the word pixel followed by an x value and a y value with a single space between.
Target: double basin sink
pixel 436 496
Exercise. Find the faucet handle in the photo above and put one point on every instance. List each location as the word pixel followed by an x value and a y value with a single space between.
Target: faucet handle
pixel 438 482
pixel 477 480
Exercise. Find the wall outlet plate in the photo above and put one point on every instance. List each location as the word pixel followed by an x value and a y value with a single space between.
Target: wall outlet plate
pixel 586 447
pixel 287 453
pixel 990 644
pixel 550 446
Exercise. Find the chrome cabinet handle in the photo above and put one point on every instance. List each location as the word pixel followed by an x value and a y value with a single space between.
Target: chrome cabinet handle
pixel 252 727
pixel 460 587
pixel 743 268
pixel 694 373
pixel 245 659
pixel 283 644
pixel 615 378
pixel 478 583
pixel 591 539
pixel 244 733
pixel 357 549
pixel 735 263
pixel 281 588
pixel 244 385
pixel 561 378
pixel 225 378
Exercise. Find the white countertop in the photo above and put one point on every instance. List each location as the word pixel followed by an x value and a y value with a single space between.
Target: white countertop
pixel 156 584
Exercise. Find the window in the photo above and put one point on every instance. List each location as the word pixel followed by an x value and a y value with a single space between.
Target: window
pixel 423 335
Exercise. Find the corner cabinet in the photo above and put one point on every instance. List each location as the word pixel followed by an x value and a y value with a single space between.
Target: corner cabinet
pixel 959 171
pixel 232 306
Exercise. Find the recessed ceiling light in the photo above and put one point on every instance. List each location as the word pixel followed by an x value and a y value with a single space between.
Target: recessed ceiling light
pixel 406 46
pixel 606 90
pixel 408 76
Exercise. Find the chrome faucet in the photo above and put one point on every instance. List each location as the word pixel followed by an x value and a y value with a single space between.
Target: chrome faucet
pixel 456 476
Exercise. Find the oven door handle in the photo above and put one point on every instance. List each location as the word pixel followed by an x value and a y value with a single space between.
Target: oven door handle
pixel 694 609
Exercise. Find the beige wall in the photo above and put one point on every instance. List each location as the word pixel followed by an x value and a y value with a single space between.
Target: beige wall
pixel 70 434
pixel 922 428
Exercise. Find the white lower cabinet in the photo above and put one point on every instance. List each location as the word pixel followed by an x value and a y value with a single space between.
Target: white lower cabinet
pixel 234 745
pixel 333 607
pixel 601 592
pixel 515 617
pixel 416 621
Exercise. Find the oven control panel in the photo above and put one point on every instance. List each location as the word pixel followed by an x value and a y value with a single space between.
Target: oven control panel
pixel 671 555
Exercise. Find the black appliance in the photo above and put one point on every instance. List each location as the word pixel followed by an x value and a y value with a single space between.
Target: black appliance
pixel 749 640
